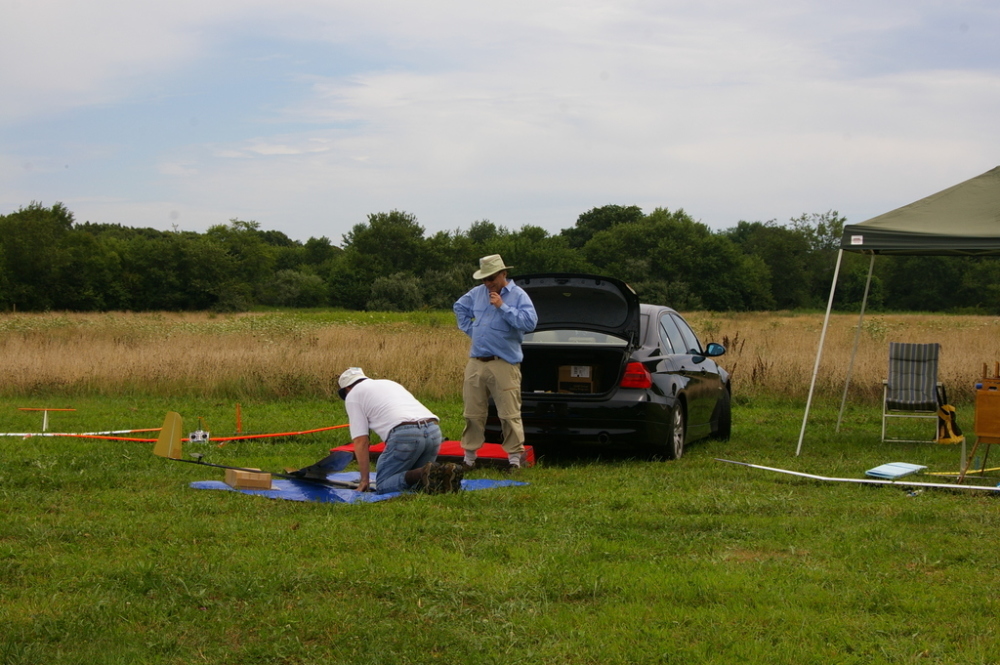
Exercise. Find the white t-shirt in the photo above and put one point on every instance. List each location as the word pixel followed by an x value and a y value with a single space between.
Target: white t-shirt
pixel 379 405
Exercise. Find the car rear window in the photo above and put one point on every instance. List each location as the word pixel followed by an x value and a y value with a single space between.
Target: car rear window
pixel 573 337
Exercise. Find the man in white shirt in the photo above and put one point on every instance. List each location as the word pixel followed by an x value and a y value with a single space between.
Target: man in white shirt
pixel 410 431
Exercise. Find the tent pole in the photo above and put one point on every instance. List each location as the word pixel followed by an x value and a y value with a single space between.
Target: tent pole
pixel 857 336
pixel 819 352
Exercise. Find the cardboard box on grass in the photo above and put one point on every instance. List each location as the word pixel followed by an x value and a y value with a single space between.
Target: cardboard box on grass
pixel 248 480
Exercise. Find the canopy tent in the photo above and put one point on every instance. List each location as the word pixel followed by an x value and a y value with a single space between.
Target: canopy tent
pixel 963 220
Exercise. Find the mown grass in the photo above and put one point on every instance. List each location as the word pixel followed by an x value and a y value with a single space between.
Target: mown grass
pixel 108 556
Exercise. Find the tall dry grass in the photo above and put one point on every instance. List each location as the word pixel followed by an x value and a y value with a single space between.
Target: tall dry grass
pixel 268 356
pixel 775 353
pixel 271 356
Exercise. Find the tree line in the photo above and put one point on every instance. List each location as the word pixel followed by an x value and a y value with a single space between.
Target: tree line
pixel 50 262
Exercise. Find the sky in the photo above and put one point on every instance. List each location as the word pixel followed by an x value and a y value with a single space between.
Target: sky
pixel 306 116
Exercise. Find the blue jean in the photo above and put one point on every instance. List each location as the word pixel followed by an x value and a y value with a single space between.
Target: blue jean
pixel 407 447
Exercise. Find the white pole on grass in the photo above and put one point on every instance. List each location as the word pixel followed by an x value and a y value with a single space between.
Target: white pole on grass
pixel 857 337
pixel 819 352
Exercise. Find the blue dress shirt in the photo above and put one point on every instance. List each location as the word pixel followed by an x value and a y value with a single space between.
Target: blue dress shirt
pixel 496 331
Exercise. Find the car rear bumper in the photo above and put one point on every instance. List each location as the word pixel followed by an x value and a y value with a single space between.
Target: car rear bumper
pixel 628 418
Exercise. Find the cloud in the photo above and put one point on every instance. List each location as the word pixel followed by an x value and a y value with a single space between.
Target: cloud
pixel 308 115
pixel 71 54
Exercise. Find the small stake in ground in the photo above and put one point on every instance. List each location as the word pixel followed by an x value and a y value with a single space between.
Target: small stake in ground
pixel 45 416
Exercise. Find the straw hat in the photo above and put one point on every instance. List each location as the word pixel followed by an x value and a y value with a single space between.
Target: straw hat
pixel 490 265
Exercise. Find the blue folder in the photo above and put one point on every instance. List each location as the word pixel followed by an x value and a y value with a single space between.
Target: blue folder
pixel 894 470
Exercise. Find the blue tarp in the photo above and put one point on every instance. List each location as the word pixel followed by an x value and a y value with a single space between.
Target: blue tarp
pixel 296 490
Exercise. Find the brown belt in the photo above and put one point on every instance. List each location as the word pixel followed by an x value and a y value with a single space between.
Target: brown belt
pixel 425 421
pixel 486 359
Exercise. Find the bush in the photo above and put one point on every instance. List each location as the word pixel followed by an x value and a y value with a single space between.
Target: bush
pixel 396 293
pixel 291 288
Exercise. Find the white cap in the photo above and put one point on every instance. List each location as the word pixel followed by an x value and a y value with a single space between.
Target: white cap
pixel 351 376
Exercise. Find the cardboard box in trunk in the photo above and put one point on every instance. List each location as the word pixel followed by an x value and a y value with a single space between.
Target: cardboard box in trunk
pixel 248 480
pixel 577 378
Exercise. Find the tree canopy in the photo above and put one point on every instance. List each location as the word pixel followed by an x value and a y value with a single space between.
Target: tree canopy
pixel 48 261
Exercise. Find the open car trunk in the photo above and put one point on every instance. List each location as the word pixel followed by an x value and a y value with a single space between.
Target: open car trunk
pixel 587 326
pixel 576 369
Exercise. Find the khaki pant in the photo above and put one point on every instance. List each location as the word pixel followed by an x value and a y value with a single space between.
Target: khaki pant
pixel 503 381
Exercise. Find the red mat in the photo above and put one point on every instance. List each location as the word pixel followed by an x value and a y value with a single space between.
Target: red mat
pixel 491 454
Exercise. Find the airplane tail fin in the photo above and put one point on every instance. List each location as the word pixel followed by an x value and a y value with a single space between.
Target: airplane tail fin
pixel 169 442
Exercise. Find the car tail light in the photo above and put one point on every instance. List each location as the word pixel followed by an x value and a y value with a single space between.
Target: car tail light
pixel 637 376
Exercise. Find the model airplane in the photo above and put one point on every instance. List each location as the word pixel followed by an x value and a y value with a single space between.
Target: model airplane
pixel 170 445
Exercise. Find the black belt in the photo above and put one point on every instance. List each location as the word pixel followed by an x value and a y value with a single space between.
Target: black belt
pixel 425 421
pixel 486 359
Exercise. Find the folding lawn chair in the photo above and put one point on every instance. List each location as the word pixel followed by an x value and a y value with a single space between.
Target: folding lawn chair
pixel 911 391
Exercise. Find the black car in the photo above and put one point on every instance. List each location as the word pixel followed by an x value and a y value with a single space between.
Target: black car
pixel 601 368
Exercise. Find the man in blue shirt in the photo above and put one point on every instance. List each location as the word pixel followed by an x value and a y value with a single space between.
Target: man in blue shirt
pixel 496 315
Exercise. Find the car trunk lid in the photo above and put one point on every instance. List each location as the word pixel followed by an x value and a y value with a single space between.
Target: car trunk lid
pixel 584 302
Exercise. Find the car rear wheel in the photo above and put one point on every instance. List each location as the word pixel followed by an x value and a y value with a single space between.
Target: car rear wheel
pixel 675 435
pixel 724 422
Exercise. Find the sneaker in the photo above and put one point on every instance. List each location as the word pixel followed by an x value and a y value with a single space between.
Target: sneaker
pixel 437 479
pixel 457 474
pixel 518 463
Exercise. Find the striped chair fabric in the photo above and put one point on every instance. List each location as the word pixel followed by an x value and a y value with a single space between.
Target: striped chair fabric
pixel 912 383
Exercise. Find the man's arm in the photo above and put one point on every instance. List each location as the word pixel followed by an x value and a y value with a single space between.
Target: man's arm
pixel 464 313
pixel 364 461
pixel 519 311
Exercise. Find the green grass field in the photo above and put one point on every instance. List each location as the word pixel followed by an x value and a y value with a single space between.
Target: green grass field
pixel 108 556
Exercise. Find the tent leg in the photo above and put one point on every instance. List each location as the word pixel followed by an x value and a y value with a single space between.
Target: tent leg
pixel 857 336
pixel 819 352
